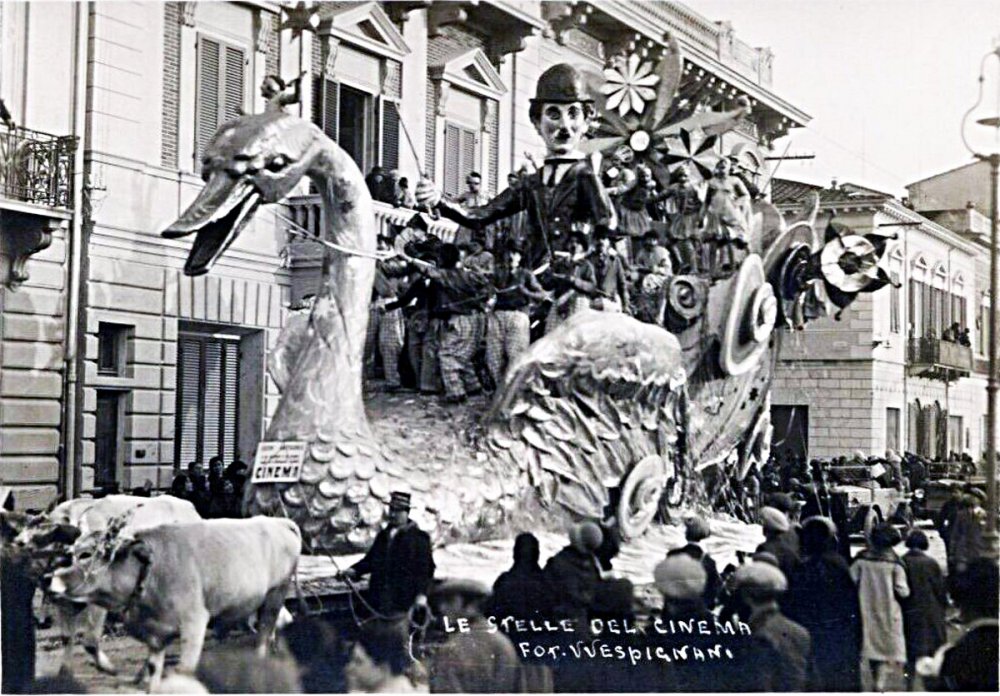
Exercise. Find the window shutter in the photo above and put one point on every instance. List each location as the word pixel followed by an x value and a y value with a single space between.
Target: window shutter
pixel 468 153
pixel 213 394
pixel 390 134
pixel 927 293
pixel 452 160
pixel 894 308
pixel 325 106
pixel 208 397
pixel 188 400
pixel 317 100
pixel 209 71
pixel 233 83
pixel 230 400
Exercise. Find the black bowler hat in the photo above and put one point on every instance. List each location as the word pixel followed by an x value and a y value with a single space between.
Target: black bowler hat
pixel 561 84
pixel 399 501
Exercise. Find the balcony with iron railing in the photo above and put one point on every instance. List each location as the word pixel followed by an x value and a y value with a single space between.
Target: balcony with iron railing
pixel 36 167
pixel 936 358
pixel 36 195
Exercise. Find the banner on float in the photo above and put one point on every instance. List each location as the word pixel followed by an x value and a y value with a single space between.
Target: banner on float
pixel 278 462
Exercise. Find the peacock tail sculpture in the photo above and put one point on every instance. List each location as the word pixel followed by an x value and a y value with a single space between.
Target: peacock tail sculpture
pixel 605 417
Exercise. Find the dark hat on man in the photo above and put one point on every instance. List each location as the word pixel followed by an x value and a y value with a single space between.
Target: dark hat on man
pixel 399 500
pixel 696 528
pixel 885 536
pixel 562 84
pixel 917 540
pixel 781 501
pixel 586 537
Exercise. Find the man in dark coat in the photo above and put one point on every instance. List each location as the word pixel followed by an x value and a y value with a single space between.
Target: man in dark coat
pixel 945 519
pixel 781 656
pixel 18 631
pixel 924 609
pixel 523 593
pixel 696 529
pixel 824 600
pixel 969 663
pixel 574 574
pixel 779 539
pixel 399 561
pixel 565 193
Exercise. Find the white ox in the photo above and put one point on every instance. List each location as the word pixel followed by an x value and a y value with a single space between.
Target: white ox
pixel 172 580
pixel 88 518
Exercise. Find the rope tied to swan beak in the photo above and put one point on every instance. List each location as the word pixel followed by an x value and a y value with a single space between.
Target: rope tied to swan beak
pixel 299 231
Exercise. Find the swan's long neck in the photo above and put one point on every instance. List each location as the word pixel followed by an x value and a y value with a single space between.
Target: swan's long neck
pixel 324 392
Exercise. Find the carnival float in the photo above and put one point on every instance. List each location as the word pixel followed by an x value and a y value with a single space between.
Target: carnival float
pixel 606 417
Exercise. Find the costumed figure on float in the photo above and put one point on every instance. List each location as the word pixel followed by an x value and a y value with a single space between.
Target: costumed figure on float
pixel 605 417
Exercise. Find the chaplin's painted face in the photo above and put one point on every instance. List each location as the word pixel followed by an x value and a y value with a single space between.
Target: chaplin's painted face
pixel 562 127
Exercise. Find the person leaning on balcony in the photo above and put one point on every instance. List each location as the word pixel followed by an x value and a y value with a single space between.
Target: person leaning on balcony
pixel 5 116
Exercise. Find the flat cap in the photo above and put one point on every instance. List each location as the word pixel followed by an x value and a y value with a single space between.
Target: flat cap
pixel 680 577
pixel 760 577
pixel 774 520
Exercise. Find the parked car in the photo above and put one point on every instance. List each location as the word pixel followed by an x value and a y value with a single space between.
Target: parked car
pixel 868 503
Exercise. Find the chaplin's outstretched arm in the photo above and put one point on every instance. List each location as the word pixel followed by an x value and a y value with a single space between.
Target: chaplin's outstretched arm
pixel 506 203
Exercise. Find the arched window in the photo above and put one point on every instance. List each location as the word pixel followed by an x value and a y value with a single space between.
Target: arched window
pixel 896 261
pixel 958 312
pixel 919 300
pixel 935 304
pixel 913 431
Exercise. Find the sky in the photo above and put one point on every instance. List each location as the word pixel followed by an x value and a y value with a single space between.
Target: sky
pixel 885 81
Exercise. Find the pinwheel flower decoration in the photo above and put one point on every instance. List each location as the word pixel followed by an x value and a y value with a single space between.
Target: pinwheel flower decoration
pixel 643 104
pixel 629 85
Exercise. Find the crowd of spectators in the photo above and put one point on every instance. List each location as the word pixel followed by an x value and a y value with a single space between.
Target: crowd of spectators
pixel 218 494
pixel 794 616
pixel 956 334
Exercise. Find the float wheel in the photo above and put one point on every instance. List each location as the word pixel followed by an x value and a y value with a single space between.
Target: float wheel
pixel 640 495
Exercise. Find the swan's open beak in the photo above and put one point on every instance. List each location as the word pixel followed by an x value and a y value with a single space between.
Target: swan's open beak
pixel 218 215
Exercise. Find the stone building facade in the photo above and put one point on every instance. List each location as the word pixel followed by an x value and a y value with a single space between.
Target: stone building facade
pixel 117 368
pixel 883 376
